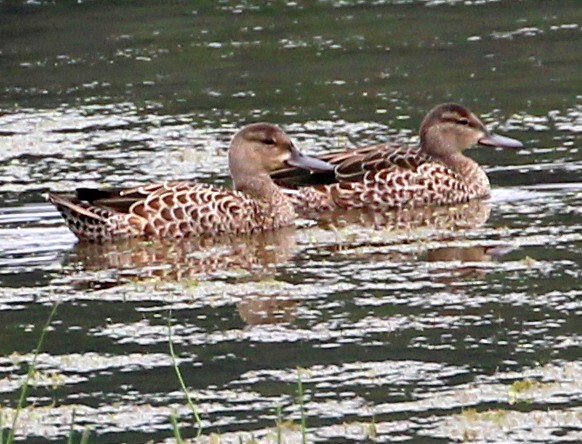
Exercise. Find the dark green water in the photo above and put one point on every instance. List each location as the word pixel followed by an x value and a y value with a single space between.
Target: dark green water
pixel 418 335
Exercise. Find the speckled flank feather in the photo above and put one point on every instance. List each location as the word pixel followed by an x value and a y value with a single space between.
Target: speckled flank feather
pixel 393 178
pixel 387 176
pixel 179 209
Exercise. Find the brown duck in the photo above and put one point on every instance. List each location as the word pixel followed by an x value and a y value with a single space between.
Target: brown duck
pixel 386 176
pixel 178 209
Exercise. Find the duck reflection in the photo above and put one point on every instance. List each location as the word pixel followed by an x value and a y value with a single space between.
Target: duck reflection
pixel 466 216
pixel 247 259
pixel 463 262
pixel 429 234
pixel 186 259
pixel 259 255
pixel 260 309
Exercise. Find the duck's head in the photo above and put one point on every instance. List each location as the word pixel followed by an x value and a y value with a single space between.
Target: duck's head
pixel 449 129
pixel 261 148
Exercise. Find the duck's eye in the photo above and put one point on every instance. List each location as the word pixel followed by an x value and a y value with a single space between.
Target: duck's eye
pixel 463 121
pixel 268 141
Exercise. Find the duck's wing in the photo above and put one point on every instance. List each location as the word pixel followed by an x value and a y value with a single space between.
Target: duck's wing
pixel 105 214
pixel 382 159
pixel 172 201
pixel 296 177
pixel 355 165
pixel 120 200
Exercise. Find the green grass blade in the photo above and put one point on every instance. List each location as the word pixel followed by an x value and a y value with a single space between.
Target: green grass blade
pixel 176 428
pixel 85 436
pixel 189 400
pixel 31 369
pixel 72 428
pixel 279 424
pixel 300 396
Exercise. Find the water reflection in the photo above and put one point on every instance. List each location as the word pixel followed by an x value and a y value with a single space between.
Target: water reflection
pixel 185 259
pixel 258 309
pixel 463 262
pixel 439 232
pixel 470 215
pixel 398 235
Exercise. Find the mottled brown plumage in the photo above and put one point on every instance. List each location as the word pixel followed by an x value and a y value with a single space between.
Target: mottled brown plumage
pixel 385 176
pixel 178 209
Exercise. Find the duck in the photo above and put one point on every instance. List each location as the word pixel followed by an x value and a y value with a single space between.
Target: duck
pixel 390 176
pixel 175 209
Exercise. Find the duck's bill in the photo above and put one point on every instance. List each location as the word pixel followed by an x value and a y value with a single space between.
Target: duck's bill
pixel 500 141
pixel 300 160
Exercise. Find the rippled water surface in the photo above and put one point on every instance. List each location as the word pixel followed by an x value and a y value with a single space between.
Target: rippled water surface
pixel 459 324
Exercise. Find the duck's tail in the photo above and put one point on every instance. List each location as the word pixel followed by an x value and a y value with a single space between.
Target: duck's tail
pixel 94 223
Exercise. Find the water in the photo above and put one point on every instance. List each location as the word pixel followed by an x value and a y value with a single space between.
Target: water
pixel 430 329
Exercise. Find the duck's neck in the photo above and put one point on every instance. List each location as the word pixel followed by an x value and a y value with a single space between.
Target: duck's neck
pixel 261 187
pixel 442 145
pixel 459 163
pixel 469 170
